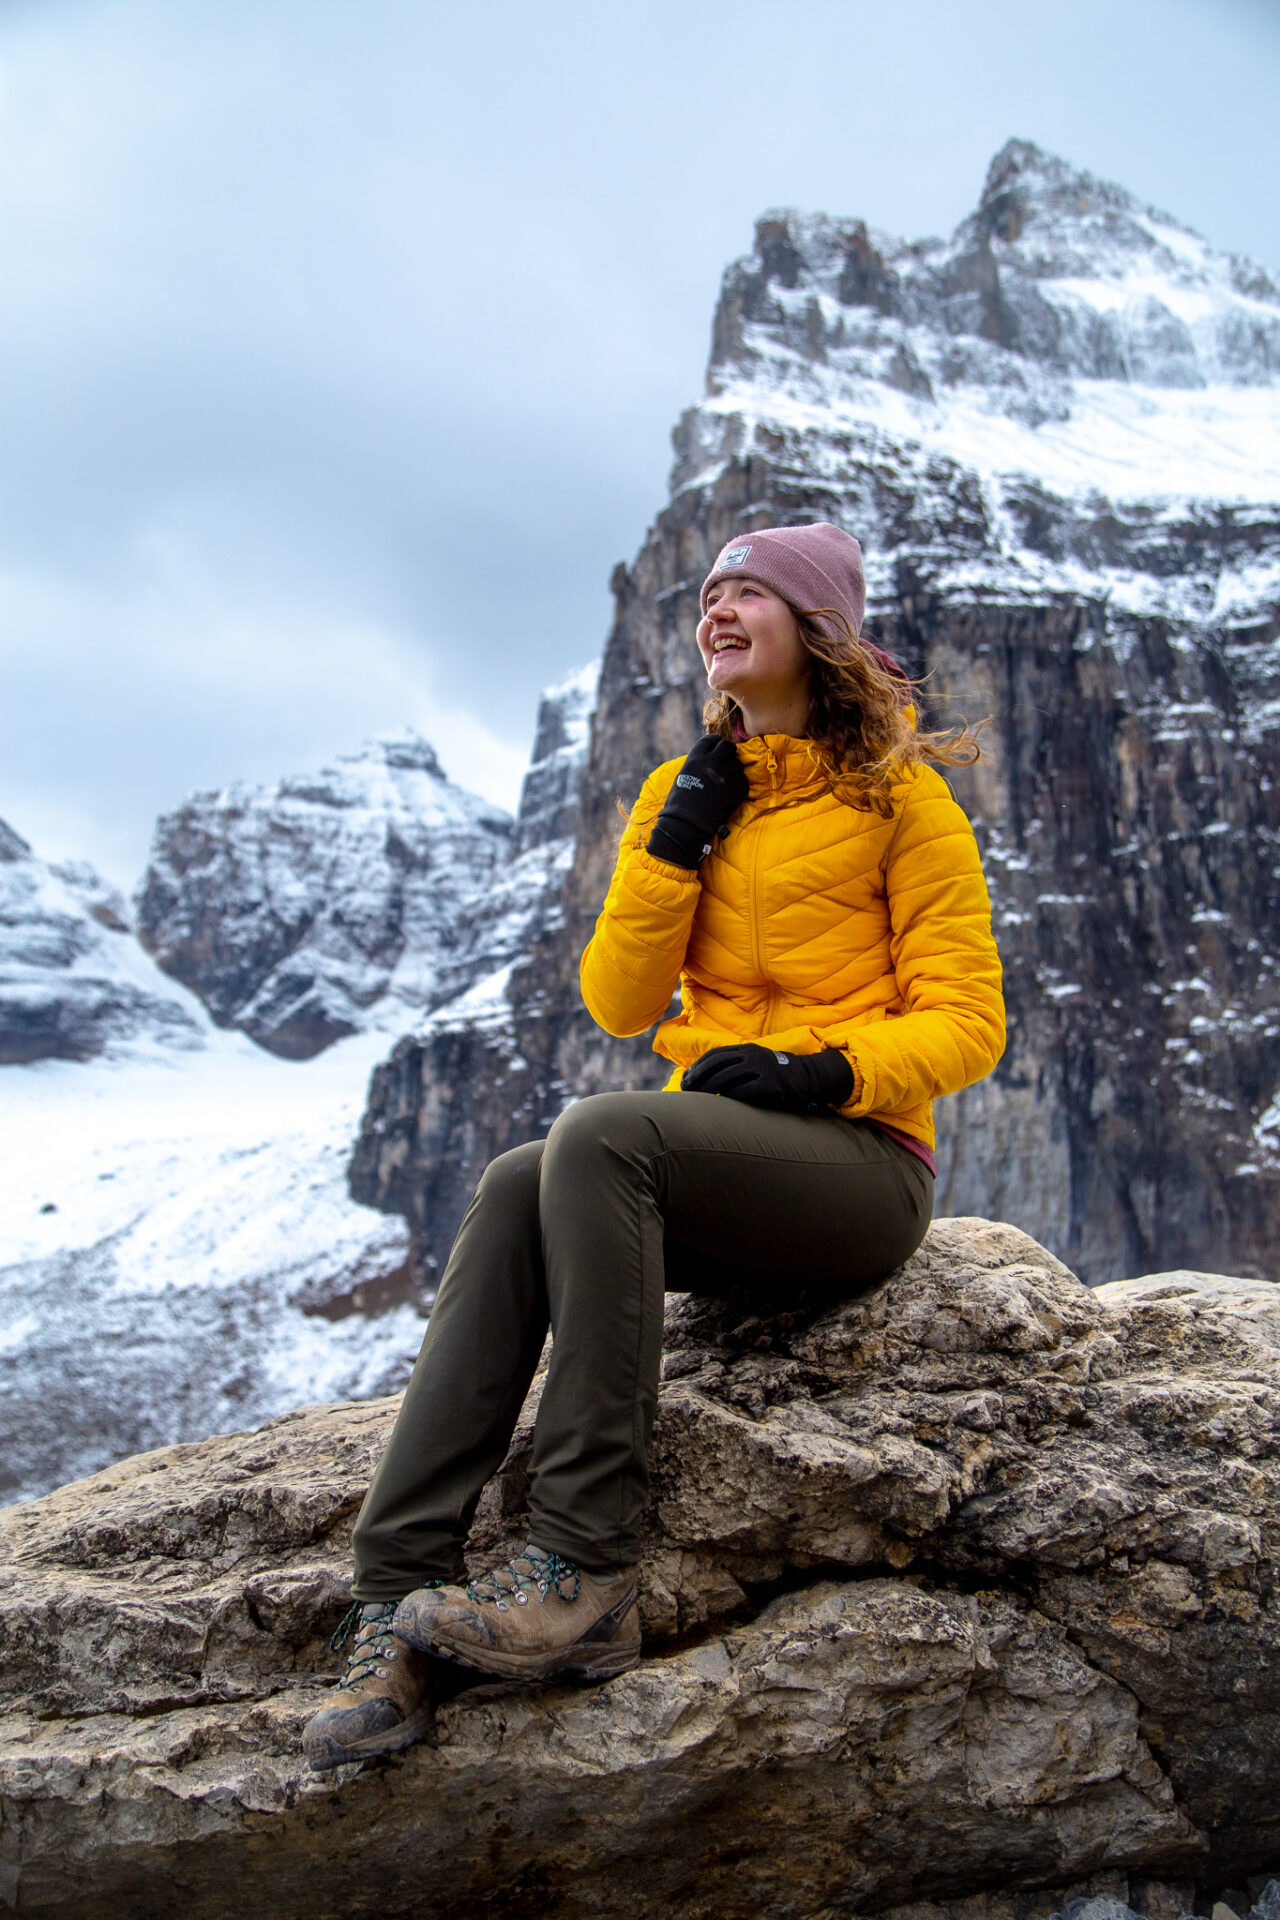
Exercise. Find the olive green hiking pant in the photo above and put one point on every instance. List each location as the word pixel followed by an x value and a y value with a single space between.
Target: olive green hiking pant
pixel 630 1195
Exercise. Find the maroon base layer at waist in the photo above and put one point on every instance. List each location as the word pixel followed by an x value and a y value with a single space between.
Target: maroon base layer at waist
pixel 909 1141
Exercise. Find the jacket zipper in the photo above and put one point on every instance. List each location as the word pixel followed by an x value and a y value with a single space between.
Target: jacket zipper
pixel 757 904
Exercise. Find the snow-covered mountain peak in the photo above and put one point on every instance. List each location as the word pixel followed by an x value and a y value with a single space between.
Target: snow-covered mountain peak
pixel 1054 268
pixel 397 776
pixel 295 908
pixel 73 981
pixel 1178 312
pixel 12 844
pixel 1055 220
pixel 1058 398
pixel 407 751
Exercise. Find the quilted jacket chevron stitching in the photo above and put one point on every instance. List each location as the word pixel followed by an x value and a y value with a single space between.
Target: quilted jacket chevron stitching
pixel 904 976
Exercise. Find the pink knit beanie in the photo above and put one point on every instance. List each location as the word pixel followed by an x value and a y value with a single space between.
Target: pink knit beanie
pixel 815 566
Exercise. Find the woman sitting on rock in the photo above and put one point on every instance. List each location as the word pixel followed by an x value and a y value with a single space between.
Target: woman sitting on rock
pixel 811 887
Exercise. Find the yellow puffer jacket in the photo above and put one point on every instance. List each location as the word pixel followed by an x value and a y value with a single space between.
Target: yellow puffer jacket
pixel 812 925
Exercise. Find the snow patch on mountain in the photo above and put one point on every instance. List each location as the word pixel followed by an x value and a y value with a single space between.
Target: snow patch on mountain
pixel 181 1254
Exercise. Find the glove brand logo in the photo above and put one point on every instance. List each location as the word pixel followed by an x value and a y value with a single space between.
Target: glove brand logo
pixel 688 780
pixel 735 557
pixel 783 1059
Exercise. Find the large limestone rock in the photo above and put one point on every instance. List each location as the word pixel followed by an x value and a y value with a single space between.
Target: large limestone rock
pixel 968 1584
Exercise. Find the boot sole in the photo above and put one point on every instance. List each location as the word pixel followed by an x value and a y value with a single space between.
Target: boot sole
pixel 328 1752
pixel 604 1661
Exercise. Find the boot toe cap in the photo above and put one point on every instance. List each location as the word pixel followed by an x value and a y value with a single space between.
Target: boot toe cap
pixel 338 1734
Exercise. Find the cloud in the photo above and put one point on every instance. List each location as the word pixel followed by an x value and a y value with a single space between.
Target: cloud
pixel 341 347
pixel 244 686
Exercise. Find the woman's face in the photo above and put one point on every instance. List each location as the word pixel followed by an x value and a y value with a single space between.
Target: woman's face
pixel 750 644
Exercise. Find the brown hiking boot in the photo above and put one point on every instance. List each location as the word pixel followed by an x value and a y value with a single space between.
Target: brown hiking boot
pixel 538 1618
pixel 385 1699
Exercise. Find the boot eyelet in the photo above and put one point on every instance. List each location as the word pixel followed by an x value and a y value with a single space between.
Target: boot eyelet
pixel 522 1599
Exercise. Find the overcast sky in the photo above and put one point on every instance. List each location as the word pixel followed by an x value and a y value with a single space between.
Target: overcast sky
pixel 340 345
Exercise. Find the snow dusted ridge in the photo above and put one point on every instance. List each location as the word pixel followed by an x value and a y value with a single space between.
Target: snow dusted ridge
pixel 327 903
pixel 523 897
pixel 179 1251
pixel 994 396
pixel 73 982
pixel 549 796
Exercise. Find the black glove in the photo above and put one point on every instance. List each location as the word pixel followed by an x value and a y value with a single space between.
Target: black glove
pixel 791 1082
pixel 708 788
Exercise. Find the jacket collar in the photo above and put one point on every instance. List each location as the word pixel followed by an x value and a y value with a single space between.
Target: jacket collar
pixel 777 765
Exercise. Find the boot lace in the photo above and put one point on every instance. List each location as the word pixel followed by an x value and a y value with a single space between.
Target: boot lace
pixel 371 1623
pixel 530 1572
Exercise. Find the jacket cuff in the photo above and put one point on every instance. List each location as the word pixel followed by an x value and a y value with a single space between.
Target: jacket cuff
pixel 667 869
pixel 832 1076
pixel 679 843
pixel 854 1107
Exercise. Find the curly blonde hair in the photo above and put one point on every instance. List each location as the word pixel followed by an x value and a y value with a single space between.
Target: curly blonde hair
pixel 858 718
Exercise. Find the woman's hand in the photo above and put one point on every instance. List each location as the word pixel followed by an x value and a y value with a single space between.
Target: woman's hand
pixel 709 787
pixel 790 1082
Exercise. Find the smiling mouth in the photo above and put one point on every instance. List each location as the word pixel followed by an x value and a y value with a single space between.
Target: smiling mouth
pixel 730 646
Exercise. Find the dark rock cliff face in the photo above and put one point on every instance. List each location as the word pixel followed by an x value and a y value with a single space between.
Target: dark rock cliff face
pixel 1052 541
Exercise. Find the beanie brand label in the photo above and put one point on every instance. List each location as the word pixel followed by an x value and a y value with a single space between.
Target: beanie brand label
pixel 735 556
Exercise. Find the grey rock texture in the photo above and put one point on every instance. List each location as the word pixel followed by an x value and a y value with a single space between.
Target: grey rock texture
pixel 294 909
pixel 1070 503
pixel 73 984
pixel 959 1602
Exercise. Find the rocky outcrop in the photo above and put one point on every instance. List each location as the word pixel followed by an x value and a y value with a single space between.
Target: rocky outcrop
pixel 295 910
pixel 965 1585
pixel 73 984
pixel 1055 433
